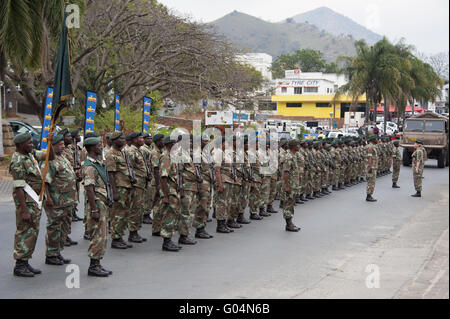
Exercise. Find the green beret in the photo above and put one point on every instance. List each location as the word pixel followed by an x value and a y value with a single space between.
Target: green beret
pixel 135 135
pixel 91 134
pixel 145 135
pixel 168 140
pixel 22 138
pixel 158 137
pixel 294 142
pixel 64 132
pixel 283 142
pixel 372 137
pixel 57 138
pixel 74 133
pixel 397 143
pixel 91 141
pixel 116 135
pixel 420 142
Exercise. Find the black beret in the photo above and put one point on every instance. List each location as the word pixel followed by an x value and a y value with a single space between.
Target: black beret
pixel 158 137
pixel 116 135
pixel 64 132
pixel 57 138
pixel 74 133
pixel 91 141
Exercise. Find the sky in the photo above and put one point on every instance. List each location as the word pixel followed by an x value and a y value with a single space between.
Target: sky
pixel 423 23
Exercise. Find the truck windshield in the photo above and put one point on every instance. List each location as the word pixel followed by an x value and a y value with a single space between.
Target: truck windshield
pixel 434 126
pixel 414 126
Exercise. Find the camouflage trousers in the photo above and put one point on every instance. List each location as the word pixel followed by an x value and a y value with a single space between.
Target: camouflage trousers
pixel 336 176
pixel 235 205
pixel 317 182
pixel 170 214
pixel 273 189
pixel 255 198
pixel 97 230
pixel 120 212
pixel 265 191
pixel 187 212
pixel 26 233
pixel 308 182
pixel 135 218
pixel 325 178
pixel 418 179
pixel 204 205
pixel 396 172
pixel 222 202
pixel 300 182
pixel 342 178
pixel 157 217
pixel 243 197
pixel 371 180
pixel 288 205
pixel 54 239
pixel 66 228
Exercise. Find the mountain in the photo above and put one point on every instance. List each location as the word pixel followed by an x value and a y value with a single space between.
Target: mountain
pixel 337 24
pixel 256 35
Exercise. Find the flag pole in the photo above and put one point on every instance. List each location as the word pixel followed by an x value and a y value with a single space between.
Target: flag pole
pixel 47 156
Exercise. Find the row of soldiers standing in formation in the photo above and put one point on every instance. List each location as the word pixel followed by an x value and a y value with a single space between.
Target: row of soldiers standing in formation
pixel 134 176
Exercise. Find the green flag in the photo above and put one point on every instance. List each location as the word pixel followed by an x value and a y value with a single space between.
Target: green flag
pixel 63 82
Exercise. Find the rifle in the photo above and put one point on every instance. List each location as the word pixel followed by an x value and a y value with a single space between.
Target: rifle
pixel 130 169
pixel 252 177
pixel 245 173
pixel 147 168
pixel 212 173
pixel 109 190
pixel 198 173
pixel 76 157
pixel 180 179
pixel 233 172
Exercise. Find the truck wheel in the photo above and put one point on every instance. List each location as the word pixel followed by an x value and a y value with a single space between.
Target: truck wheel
pixel 441 159
pixel 406 158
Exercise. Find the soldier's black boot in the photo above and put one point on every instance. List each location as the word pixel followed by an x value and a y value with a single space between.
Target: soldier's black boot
pixel 71 242
pixel 281 204
pixel 222 228
pixel 185 240
pixel 394 185
pixel 273 211
pixel 418 194
pixel 134 237
pixel 324 192
pixel 76 218
pixel 214 213
pixel 54 261
pixel 118 244
pixel 64 260
pixel 341 186
pixel 128 245
pixel 95 269
pixel 263 213
pixel 33 270
pixel 303 198
pixel 316 195
pixel 169 245
pixel 334 188
pixel 290 227
pixel 21 269
pixel 370 199
pixel 202 234
pixel 231 223
pixel 242 220
pixel 297 201
pixel 310 196
pixel 255 217
pixel 277 196
pixel 86 236
pixel 147 219
pixel 157 234
pixel 106 270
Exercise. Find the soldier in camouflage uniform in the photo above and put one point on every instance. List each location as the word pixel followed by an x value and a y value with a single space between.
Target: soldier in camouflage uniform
pixel 290 182
pixel 282 158
pixel 61 189
pixel 255 202
pixel 155 161
pixel 244 170
pixel 26 173
pixel 204 192
pixel 76 138
pixel 396 164
pixel 418 162
pixel 236 189
pixel 298 156
pixel 137 203
pixel 170 199
pixel 95 177
pixel 273 182
pixel 122 186
pixel 148 202
pixel 372 166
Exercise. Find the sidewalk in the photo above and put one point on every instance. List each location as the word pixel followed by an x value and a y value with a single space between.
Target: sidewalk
pixel 6 185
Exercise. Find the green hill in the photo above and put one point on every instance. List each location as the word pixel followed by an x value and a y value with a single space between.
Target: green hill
pixel 257 35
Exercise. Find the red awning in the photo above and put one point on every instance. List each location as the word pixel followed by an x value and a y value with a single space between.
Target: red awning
pixel 393 109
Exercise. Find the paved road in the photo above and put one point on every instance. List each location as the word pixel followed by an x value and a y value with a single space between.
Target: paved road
pixel 400 238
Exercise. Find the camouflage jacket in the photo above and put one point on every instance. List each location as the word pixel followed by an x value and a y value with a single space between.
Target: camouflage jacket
pixel 25 170
pixel 169 170
pixel 290 166
pixel 225 165
pixel 91 176
pixel 117 164
pixel 62 182
pixel 137 162
pixel 189 174
pixel 418 159
pixel 372 152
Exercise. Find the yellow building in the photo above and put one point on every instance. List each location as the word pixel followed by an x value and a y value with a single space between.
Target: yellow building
pixel 315 105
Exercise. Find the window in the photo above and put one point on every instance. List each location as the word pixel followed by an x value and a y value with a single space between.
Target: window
pixel 298 90
pixel 435 126
pixel 414 126
pixel 283 90
pixel 323 105
pixel 293 104
pixel 312 89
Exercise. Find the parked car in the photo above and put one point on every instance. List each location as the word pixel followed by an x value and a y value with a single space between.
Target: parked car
pixel 19 127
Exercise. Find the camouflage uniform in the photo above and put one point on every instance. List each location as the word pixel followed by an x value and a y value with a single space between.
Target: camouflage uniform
pixel 170 213
pixel 222 200
pixel 204 193
pixel 396 164
pixel 289 166
pixel 25 170
pixel 281 159
pixel 189 199
pixel 155 161
pixel 273 180
pixel 148 202
pixel 300 172
pixel 418 161
pixel 137 203
pixel 61 183
pixel 120 212
pixel 255 201
pixel 97 230
pixel 372 176
pixel 243 170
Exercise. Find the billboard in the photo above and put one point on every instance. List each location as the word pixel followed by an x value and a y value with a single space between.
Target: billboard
pixel 218 118
pixel 241 117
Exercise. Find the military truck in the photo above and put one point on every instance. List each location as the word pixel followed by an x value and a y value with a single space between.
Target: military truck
pixel 433 130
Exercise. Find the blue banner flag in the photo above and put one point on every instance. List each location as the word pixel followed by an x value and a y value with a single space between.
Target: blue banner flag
pixel 146 114
pixel 91 106
pixel 310 136
pixel 117 114
pixel 47 119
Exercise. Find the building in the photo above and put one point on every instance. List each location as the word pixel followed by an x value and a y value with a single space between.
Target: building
pixel 441 101
pixel 262 62
pixel 313 95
